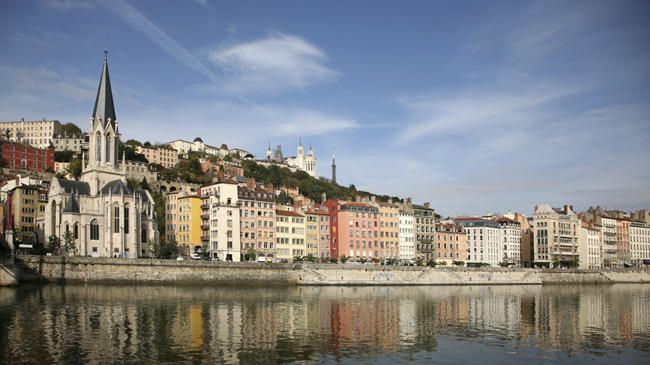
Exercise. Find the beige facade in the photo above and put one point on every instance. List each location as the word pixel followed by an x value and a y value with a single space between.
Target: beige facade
pixel 37 133
pixel 312 233
pixel 257 219
pixel 166 157
pixel 555 236
pixel 589 246
pixel 137 171
pixel 68 143
pixel 289 235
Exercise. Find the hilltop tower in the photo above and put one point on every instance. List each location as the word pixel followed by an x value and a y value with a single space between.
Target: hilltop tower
pixel 333 169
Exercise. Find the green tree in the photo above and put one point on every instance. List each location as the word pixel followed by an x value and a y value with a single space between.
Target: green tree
pixel 344 259
pixel 74 169
pixel 53 244
pixel 165 250
pixel 70 129
pixel 68 242
pixel 63 156
pixel 419 261
pixel 251 253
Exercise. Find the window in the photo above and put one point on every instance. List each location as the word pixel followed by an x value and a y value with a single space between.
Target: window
pixel 108 148
pixel 116 219
pixel 94 230
pixel 98 146
pixel 126 219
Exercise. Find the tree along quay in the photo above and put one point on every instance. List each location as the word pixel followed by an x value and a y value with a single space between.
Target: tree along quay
pixel 117 270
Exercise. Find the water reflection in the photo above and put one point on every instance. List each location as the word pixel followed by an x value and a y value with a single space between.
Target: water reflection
pixel 155 324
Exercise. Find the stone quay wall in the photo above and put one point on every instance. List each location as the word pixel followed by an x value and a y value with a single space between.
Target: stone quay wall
pixel 106 270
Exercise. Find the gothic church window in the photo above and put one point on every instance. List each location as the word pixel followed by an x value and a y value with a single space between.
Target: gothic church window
pixel 94 230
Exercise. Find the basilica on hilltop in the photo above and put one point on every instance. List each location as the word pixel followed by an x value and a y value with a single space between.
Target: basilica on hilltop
pixel 299 161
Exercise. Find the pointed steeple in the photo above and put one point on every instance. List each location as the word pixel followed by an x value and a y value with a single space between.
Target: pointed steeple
pixel 104 107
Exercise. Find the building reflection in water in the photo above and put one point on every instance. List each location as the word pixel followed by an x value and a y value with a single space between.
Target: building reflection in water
pixel 54 324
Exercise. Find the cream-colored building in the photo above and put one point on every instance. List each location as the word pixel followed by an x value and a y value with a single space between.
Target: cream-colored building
pixel 166 157
pixel 37 133
pixel 138 171
pixel 511 239
pixel 171 215
pixel 406 236
pixel 289 235
pixel 610 243
pixel 220 216
pixel 639 243
pixel 63 142
pixel 555 236
pixel 589 246
pixel 312 232
pixel 484 241
pixel 183 147
pixel 257 217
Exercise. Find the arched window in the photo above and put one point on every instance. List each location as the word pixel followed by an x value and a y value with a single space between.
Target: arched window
pixel 98 146
pixel 108 147
pixel 94 230
pixel 126 218
pixel 116 219
pixel 75 231
pixel 67 228
pixel 143 234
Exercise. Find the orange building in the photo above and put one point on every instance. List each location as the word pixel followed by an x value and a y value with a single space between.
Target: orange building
pixel 388 230
pixel 354 230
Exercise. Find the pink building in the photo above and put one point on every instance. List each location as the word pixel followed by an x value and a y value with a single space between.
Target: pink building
pixel 355 230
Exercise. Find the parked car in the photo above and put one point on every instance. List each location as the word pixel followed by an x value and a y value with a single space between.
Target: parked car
pixel 195 256
pixel 180 258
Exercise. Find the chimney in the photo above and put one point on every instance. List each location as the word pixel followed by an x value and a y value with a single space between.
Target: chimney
pixel 566 208
pixel 427 205
pixel 390 200
pixel 221 175
pixel 571 207
pixel 409 201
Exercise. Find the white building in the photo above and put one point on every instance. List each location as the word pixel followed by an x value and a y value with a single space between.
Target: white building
pixel 220 207
pixel 610 242
pixel 406 241
pixel 511 239
pixel 484 241
pixel 300 161
pixel 183 147
pixel 555 236
pixel 639 243
pixel 63 142
pixel 37 133
pixel 589 246
pixel 105 217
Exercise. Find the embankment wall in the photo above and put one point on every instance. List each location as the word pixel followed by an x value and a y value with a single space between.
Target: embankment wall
pixel 87 270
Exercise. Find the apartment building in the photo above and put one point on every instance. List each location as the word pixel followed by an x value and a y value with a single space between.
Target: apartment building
pixel 74 143
pixel 188 225
pixel 257 209
pixel 354 229
pixel 19 156
pixel 388 230
pixel 425 230
pixel 324 231
pixel 164 156
pixel 555 236
pixel 406 237
pixel 639 235
pixel 484 241
pixel 511 239
pixel 451 243
pixel 36 133
pixel 289 235
pixel 220 217
pixel 312 232
pixel 589 246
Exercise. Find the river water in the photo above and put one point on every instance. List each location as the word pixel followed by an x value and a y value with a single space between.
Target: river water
pixel 379 325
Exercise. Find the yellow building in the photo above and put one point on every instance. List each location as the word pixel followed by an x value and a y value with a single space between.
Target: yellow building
pixel 171 215
pixel 166 157
pixel 188 225
pixel 289 235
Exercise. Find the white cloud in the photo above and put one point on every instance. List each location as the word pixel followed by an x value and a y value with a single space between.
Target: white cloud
pixel 273 64
pixel 67 4
pixel 142 24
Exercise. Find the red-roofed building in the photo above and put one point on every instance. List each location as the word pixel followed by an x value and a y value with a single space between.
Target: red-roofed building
pixel 18 156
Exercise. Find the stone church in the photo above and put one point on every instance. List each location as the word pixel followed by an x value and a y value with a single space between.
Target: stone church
pixel 105 216
pixel 300 161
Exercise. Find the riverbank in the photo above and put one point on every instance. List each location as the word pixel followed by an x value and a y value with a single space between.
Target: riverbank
pixel 112 270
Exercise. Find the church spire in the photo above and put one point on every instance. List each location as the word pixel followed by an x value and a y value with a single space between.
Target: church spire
pixel 104 107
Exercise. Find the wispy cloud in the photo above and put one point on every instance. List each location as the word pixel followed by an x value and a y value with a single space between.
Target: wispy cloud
pixel 139 22
pixel 273 64
pixel 67 4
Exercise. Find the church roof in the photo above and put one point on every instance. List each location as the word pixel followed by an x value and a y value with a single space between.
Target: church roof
pixel 116 187
pixel 76 187
pixel 71 205
pixel 143 195
pixel 104 107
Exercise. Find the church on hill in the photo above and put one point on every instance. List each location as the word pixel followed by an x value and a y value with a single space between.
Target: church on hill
pixel 105 217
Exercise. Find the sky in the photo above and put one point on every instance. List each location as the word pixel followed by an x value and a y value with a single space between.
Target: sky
pixel 474 106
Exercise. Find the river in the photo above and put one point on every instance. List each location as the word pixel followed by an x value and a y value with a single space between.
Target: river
pixel 380 325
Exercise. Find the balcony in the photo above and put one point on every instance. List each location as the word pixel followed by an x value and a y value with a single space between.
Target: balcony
pixel 205 216
pixel 205 227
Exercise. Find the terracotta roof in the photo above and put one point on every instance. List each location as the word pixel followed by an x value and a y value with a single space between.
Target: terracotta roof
pixel 287 213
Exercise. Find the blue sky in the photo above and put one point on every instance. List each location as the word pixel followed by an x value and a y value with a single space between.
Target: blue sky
pixel 474 106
